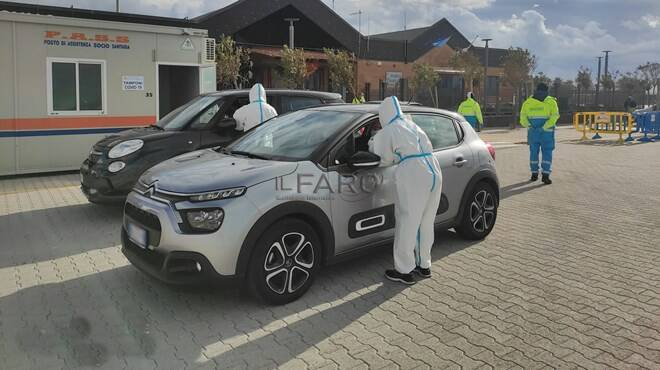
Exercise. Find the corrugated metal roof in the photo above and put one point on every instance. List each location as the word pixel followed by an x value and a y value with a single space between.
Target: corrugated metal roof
pixel 95 14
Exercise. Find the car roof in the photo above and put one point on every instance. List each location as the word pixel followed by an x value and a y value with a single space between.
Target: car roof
pixel 373 109
pixel 309 93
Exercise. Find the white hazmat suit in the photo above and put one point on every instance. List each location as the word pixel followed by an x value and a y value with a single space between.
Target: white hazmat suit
pixel 418 185
pixel 258 111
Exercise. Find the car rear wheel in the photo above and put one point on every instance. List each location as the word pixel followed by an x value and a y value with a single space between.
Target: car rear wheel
pixel 480 213
pixel 285 262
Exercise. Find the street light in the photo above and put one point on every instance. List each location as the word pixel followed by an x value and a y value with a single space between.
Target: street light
pixel 607 59
pixel 359 14
pixel 292 31
pixel 486 40
pixel 600 59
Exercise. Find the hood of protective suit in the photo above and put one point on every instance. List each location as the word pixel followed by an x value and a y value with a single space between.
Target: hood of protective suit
pixel 389 110
pixel 257 94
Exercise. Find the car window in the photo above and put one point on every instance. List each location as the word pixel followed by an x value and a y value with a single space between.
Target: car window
pixel 235 105
pixel 207 118
pixel 294 136
pixel 291 103
pixel 440 130
pixel 180 117
pixel 358 141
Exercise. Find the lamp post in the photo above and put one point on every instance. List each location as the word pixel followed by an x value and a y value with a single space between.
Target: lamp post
pixel 359 14
pixel 485 90
pixel 600 59
pixel 292 31
pixel 117 6
pixel 607 59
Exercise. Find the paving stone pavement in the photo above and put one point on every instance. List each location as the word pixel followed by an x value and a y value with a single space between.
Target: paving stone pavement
pixel 570 278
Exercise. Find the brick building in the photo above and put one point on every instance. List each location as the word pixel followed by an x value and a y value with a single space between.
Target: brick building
pixel 384 62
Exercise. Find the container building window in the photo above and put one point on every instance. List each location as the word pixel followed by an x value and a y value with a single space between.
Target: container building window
pixel 76 86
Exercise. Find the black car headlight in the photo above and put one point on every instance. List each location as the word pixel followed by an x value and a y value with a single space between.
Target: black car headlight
pixel 205 220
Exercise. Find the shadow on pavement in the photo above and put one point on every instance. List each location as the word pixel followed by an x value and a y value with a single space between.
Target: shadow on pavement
pixel 46 234
pixel 518 188
pixel 120 318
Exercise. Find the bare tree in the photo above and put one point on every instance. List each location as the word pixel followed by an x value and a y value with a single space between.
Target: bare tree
pixel 230 61
pixel 425 78
pixel 342 70
pixel 651 75
pixel 584 83
pixel 294 67
pixel 556 86
pixel 518 65
pixel 468 63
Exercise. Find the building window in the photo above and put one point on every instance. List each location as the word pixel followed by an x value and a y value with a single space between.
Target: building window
pixel 76 86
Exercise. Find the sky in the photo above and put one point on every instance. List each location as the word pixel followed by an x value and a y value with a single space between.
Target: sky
pixel 563 34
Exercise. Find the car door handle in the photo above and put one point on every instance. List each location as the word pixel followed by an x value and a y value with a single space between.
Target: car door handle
pixel 460 162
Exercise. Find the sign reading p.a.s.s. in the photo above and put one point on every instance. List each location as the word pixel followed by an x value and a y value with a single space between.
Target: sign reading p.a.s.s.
pixel 86 40
pixel 80 36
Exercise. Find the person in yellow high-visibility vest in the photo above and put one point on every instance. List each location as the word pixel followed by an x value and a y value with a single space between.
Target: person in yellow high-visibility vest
pixel 471 110
pixel 539 114
pixel 359 99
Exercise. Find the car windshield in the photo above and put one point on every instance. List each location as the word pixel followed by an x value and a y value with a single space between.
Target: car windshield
pixel 294 136
pixel 179 118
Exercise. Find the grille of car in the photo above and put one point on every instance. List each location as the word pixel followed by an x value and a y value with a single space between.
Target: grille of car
pixel 169 197
pixel 145 218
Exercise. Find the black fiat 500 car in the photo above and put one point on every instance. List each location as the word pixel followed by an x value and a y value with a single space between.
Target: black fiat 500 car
pixel 117 161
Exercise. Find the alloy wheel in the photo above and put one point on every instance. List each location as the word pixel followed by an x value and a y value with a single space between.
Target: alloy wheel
pixel 289 263
pixel 482 211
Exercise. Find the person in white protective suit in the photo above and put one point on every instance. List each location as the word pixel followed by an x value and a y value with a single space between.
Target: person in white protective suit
pixel 418 187
pixel 255 113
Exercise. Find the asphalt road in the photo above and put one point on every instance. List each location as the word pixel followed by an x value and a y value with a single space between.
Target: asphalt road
pixel 570 278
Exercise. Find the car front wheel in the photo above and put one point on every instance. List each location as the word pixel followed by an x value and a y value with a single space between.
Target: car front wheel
pixel 480 213
pixel 285 262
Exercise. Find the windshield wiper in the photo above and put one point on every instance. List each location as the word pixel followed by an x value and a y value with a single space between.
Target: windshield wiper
pixel 157 127
pixel 247 154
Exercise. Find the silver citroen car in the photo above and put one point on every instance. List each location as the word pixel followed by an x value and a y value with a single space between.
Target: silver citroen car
pixel 296 193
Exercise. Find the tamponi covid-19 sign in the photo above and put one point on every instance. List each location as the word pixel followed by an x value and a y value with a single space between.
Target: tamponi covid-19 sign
pixel 86 40
pixel 132 83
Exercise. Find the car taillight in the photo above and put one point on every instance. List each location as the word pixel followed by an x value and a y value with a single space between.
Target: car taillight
pixel 491 150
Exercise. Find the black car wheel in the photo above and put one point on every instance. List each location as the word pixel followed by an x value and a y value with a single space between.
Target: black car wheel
pixel 285 261
pixel 480 213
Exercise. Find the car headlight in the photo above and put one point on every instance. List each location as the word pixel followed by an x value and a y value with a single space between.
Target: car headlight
pixel 125 148
pixel 220 194
pixel 205 219
pixel 117 166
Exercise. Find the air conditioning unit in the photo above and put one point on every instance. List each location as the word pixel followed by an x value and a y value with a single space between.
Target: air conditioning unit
pixel 209 50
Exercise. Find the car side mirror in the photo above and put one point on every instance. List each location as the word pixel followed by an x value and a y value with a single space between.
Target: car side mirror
pixel 364 160
pixel 226 123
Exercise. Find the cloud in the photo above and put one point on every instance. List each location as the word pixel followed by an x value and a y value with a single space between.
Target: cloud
pixel 647 21
pixel 561 48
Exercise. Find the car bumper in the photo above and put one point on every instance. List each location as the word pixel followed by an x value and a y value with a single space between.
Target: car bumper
pixel 98 185
pixel 177 257
pixel 179 268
